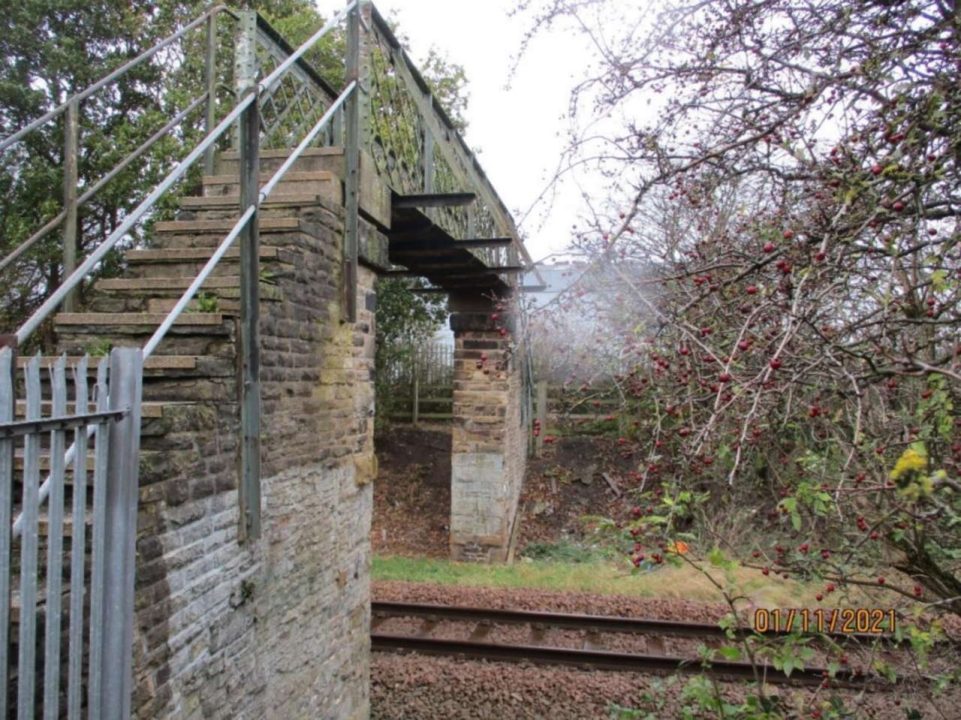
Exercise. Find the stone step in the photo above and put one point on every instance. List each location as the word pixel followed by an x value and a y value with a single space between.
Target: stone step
pixel 325 184
pixel 147 409
pixel 18 458
pixel 208 334
pixel 276 201
pixel 158 363
pixel 325 159
pixel 224 225
pixel 141 295
pixel 207 234
pixel 188 262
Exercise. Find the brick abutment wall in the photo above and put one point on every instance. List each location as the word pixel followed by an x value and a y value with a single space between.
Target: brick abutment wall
pixel 489 442
pixel 277 627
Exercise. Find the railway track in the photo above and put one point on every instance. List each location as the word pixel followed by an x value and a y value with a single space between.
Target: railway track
pixel 473 633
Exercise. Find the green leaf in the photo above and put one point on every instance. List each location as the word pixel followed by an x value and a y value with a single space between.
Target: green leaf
pixel 730 652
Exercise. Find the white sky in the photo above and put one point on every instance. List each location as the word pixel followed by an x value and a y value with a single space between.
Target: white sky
pixel 518 133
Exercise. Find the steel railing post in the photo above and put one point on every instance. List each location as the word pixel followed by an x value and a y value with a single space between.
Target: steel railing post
pixel 210 76
pixel 355 123
pixel 250 323
pixel 71 139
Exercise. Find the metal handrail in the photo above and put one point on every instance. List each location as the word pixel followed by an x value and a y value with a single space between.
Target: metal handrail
pixel 74 279
pixel 241 223
pixel 106 80
pixel 93 189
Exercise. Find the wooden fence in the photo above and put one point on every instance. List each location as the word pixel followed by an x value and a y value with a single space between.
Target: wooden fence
pixel 420 384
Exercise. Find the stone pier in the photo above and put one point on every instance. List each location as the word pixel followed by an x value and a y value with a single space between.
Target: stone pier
pixel 489 444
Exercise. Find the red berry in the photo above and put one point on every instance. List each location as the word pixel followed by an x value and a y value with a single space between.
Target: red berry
pixel 788 234
pixel 766 571
pixel 877 169
pixel 775 364
pixel 918 591
pixel 880 581
pixel 724 377
pixel 898 206
pixel 829 587
pixel 756 554
pixel 820 256
pixel 768 247
pixel 819 597
pixel 751 289
pixel 825 553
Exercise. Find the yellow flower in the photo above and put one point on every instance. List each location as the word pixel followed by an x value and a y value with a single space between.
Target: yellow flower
pixel 910 461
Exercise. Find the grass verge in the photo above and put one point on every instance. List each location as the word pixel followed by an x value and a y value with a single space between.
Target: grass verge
pixel 601 577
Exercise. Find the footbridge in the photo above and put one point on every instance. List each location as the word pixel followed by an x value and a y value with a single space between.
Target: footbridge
pixel 186 386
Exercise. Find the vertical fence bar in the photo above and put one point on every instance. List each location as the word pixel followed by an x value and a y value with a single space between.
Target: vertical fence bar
pixel 71 141
pixel 26 665
pixel 97 568
pixel 210 76
pixel 250 325
pixel 120 533
pixel 415 402
pixel 55 532
pixel 541 416
pixel 245 60
pixel 78 547
pixel 8 365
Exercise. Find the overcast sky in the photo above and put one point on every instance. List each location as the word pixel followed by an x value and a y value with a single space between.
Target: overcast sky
pixel 518 132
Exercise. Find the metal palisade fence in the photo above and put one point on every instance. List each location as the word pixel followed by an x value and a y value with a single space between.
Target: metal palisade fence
pixel 68 520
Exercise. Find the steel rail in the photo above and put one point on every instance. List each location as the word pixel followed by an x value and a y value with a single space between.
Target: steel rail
pixel 107 79
pixel 93 189
pixel 617 661
pixel 601 623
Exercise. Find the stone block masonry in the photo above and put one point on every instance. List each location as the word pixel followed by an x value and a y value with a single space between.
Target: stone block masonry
pixel 279 627
pixel 489 442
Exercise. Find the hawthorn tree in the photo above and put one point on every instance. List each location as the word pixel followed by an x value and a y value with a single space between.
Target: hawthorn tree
pixel 791 168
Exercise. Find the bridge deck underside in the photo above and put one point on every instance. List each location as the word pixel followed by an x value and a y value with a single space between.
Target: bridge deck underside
pixel 428 251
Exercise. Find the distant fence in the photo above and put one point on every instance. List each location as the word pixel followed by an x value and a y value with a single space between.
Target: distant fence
pixel 420 383
pixel 580 410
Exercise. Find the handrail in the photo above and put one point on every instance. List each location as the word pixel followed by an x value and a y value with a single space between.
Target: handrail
pixel 106 80
pixel 238 227
pixel 33 322
pixel 93 189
